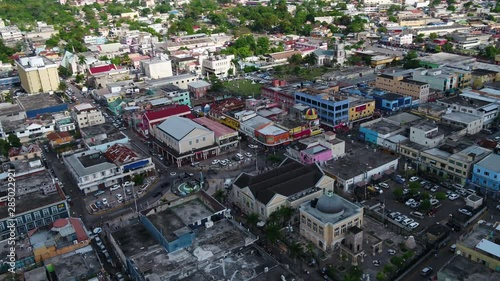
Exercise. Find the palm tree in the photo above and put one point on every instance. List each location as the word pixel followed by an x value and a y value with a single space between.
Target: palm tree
pixel 273 233
pixel 82 63
pixel 286 214
pixel 295 250
pixel 253 219
pixel 220 195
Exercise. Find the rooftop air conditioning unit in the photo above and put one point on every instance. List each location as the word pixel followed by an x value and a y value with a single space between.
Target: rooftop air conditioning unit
pixel 209 224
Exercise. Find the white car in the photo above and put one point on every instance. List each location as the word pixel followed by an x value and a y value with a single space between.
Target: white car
pixel 114 187
pixel 119 197
pixel 407 222
pixel 253 146
pixel 104 201
pixel 465 212
pixel 412 179
pixel 391 252
pixel 248 154
pixel 453 196
pixel 128 183
pixel 383 185
pixel 413 225
pixel 215 162
pixel 410 201
pixel 435 188
pixel 434 202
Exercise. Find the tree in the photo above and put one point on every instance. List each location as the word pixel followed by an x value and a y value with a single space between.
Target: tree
pixel 398 193
pixel 440 196
pixel 295 250
pixel 388 268
pixel 4 147
pixel 138 179
pixel 380 276
pixel 433 35
pixel 393 19
pixel 355 273
pixel 62 86
pixel 310 59
pixel 82 63
pixel 397 261
pixel 216 84
pixel 451 8
pixel 447 47
pixel 220 195
pixel 295 59
pixel 414 185
pixel 382 29
pixel 14 141
pixel 64 72
pixel 273 233
pixel 252 219
pixel 426 205
pixel 408 255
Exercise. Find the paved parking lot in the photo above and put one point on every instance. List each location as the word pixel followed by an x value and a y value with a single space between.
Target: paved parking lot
pixel 96 204
pixel 444 209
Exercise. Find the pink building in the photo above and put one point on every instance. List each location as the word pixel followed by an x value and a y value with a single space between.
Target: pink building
pixel 315 154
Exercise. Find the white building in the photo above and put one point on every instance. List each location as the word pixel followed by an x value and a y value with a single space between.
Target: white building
pixel 93 169
pixel 426 135
pixel 472 124
pixel 473 104
pixel 11 34
pixel 217 65
pixel 64 122
pixel 31 131
pixel 406 39
pixel 87 115
pixel 157 68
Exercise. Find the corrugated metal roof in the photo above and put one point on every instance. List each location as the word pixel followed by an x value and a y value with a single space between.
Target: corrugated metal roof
pixel 179 127
pixel 489 247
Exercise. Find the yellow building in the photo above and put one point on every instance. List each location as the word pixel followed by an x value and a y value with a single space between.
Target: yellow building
pixel 326 221
pixel 481 245
pixel 37 74
pixel 360 108
pixel 412 22
pixel 483 76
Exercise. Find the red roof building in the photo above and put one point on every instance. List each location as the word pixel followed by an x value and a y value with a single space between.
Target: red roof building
pixel 76 224
pixel 121 154
pixel 153 118
pixel 102 68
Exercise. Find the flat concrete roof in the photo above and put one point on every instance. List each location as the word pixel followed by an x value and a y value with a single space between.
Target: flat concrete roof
pixel 461 117
pixel 357 160
pixel 403 118
pixel 462 268
pixel 34 199
pixel 382 127
pixel 82 263
pixel 167 222
pixel 32 102
pixel 469 102
pixel 192 211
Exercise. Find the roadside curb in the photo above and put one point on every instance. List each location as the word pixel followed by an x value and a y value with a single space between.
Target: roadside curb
pixel 122 205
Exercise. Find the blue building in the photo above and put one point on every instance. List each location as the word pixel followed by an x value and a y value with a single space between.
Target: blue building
pixel 391 102
pixel 486 173
pixel 332 110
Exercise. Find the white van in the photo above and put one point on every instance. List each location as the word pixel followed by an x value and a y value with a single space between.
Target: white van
pixel 228 183
pixel 417 215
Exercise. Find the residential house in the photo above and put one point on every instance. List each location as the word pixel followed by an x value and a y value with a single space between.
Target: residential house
pixel 59 138
pixel 27 152
pixel 198 89
pixel 87 115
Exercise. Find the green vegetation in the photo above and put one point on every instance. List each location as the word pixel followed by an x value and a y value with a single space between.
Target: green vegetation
pixel 6 52
pixel 6 145
pixel 242 87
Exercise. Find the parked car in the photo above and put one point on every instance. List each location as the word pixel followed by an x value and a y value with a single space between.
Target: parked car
pixel 453 196
pixel 128 183
pixel 99 192
pixel 119 197
pixel 383 185
pixel 407 222
pixel 435 188
pixel 412 179
pixel 248 154
pixel 115 187
pixel 410 201
pixel 426 271
pixel 391 252
pixel 465 212
pixel 104 201
pixel 413 225
pixel 434 202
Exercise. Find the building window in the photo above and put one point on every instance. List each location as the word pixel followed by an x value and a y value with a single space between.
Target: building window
pixel 46 212
pixel 197 140
pixel 309 223
pixel 337 232
pixel 321 231
pixel 28 217
pixel 37 215
pixel 54 210
pixel 315 227
pixel 19 220
pixel 190 142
